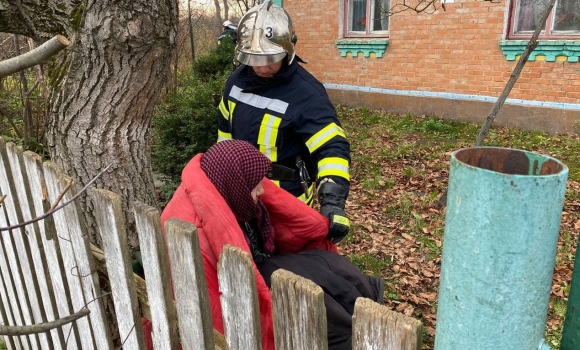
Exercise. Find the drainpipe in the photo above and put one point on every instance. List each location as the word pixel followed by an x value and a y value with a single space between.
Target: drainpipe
pixel 543 345
pixel 501 231
pixel 571 332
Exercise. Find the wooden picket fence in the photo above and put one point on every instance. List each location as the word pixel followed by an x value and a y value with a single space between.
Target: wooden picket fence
pixel 50 277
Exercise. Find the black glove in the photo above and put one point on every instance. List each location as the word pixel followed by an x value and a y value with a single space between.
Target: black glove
pixel 332 198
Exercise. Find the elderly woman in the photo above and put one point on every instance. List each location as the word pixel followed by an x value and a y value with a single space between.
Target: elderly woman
pixel 224 192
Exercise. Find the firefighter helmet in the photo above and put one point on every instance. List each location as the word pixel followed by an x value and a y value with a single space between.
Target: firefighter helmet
pixel 265 36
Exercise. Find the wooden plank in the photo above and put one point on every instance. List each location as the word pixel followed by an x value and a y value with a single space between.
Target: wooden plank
pixel 239 299
pixel 42 283
pixel 78 262
pixel 111 226
pixel 51 249
pixel 377 327
pixel 9 294
pixel 155 266
pixel 140 285
pixel 299 313
pixel 190 289
pixel 16 252
pixel 6 314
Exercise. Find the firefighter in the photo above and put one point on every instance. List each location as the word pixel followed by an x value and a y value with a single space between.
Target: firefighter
pixel 230 30
pixel 275 104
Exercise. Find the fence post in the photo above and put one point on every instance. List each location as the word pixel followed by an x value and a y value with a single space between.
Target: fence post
pixel 299 312
pixel 239 299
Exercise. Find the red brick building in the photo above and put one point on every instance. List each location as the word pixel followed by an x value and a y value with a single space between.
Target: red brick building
pixel 452 63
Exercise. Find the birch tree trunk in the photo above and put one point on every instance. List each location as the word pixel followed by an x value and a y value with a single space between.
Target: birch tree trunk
pixel 103 89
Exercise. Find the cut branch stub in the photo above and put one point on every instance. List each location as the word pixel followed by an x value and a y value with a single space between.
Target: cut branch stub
pixel 33 57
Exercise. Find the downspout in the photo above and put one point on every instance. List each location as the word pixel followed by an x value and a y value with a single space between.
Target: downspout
pixel 503 215
pixel 571 331
pixel 543 345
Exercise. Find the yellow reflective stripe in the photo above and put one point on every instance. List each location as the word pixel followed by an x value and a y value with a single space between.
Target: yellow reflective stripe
pixel 222 136
pixel 343 220
pixel 276 182
pixel 231 107
pixel 308 200
pixel 321 137
pixel 333 166
pixel 268 135
pixel 223 110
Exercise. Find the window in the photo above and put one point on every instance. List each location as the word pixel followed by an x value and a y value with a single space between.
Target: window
pixel 563 22
pixel 367 18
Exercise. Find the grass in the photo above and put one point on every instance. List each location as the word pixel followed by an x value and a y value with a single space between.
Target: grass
pixel 399 171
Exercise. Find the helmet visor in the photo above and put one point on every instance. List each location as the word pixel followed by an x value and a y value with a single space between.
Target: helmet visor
pixel 257 59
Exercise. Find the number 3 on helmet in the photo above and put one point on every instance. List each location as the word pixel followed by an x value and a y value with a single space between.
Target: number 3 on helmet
pixel 265 36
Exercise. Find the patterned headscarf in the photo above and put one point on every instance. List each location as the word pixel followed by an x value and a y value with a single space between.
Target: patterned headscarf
pixel 235 168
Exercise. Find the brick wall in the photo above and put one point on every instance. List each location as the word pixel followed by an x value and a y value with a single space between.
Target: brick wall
pixel 453 51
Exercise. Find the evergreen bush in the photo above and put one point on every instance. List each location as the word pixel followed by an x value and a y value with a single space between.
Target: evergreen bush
pixel 215 62
pixel 185 124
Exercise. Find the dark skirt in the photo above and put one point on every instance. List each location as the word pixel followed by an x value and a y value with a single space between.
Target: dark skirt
pixel 341 281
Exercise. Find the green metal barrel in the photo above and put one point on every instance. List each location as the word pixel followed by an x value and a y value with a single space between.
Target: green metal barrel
pixel 501 231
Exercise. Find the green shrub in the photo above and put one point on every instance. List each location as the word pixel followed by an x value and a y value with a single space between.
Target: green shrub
pixel 216 62
pixel 185 124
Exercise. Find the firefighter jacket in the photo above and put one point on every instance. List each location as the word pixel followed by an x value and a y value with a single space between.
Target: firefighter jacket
pixel 297 227
pixel 286 117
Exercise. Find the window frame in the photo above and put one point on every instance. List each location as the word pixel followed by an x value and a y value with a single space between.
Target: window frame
pixel 545 34
pixel 368 33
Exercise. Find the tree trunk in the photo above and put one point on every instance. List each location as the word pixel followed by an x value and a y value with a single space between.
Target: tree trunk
pixel 103 89
pixel 218 12
pixel 102 112
pixel 226 10
pixel 24 97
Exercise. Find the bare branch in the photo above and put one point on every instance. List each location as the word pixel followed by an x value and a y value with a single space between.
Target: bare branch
pixel 33 57
pixel 426 6
pixel 62 193
pixel 532 44
pixel 51 211
pixel 42 327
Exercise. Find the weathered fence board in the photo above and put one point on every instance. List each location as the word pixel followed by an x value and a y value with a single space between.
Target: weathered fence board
pixel 191 296
pixel 16 253
pixel 156 267
pixel 111 225
pixel 50 249
pixel 65 234
pixel 42 282
pixel 12 315
pixel 85 268
pixel 299 312
pixel 239 299
pixel 6 315
pixel 375 327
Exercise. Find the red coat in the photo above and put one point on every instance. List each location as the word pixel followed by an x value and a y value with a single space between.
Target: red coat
pixel 296 227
